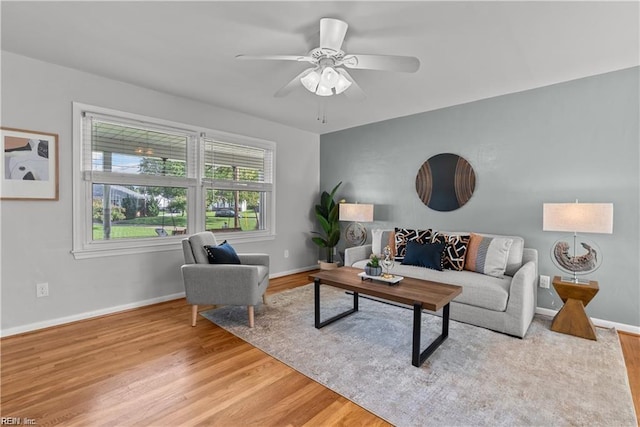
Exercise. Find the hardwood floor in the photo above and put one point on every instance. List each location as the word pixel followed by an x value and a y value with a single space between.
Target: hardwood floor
pixel 147 367
pixel 631 350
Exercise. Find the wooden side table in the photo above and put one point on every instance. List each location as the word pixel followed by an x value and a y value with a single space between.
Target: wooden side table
pixel 572 319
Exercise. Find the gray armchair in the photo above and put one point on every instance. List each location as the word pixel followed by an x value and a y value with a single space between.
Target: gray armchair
pixel 224 284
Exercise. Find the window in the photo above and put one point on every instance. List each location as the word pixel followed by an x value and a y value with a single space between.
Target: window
pixel 140 184
pixel 238 181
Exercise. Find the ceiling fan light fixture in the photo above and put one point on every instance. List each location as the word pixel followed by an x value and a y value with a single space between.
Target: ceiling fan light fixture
pixel 324 90
pixel 342 84
pixel 311 81
pixel 326 82
pixel 329 77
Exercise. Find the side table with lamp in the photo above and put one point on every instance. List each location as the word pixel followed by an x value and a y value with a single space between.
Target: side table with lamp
pixel 572 319
pixel 576 293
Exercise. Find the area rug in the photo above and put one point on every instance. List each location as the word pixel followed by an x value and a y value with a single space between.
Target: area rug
pixel 476 377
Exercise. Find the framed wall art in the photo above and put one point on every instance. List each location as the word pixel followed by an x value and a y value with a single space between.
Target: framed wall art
pixel 29 167
pixel 445 182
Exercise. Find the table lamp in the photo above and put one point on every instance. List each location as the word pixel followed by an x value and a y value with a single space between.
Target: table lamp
pixel 355 233
pixel 577 218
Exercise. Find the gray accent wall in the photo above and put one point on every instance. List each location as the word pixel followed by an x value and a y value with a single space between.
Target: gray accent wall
pixel 574 140
pixel 37 235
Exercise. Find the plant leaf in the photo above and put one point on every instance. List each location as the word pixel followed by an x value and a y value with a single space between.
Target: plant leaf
pixel 333 192
pixel 334 213
pixel 326 226
pixel 324 198
pixel 333 238
pixel 319 241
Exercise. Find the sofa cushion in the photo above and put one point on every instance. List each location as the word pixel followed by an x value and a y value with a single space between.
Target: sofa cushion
pixel 488 292
pixel 222 254
pixel 403 235
pixel 487 255
pixel 428 255
pixel 455 249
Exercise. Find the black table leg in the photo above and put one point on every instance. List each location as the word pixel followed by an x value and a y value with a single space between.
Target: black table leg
pixel 318 323
pixel 418 358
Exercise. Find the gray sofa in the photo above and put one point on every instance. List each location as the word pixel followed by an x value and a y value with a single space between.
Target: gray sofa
pixel 504 304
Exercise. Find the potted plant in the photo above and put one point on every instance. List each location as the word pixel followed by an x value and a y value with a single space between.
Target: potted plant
pixel 327 214
pixel 373 267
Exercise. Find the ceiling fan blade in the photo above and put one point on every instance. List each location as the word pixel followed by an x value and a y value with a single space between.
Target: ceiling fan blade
pixel 407 64
pixel 293 84
pixel 332 32
pixel 354 92
pixel 298 58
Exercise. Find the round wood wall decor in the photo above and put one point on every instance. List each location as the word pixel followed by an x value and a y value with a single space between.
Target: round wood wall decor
pixel 445 182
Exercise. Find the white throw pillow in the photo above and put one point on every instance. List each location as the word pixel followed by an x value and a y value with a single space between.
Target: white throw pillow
pixel 376 237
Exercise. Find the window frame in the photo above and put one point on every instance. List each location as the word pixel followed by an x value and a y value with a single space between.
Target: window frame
pixel 83 244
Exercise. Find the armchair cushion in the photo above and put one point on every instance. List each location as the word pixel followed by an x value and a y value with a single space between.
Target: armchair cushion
pixel 222 254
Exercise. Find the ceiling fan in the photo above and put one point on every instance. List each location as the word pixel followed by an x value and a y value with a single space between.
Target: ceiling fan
pixel 327 75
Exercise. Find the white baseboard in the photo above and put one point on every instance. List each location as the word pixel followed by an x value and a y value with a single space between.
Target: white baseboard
pixel 86 315
pixel 596 322
pixel 110 310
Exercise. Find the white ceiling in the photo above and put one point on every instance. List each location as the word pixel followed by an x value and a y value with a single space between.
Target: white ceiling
pixel 468 50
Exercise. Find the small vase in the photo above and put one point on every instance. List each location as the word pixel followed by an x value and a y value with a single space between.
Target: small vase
pixel 372 271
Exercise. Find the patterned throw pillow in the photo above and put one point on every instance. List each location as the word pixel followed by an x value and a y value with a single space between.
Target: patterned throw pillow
pixel 429 255
pixel 222 254
pixel 487 255
pixel 404 235
pixel 455 249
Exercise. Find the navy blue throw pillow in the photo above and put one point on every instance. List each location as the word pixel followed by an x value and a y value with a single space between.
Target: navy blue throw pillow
pixel 222 254
pixel 427 255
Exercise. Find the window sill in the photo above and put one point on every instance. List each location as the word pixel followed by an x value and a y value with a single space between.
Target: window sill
pixel 106 249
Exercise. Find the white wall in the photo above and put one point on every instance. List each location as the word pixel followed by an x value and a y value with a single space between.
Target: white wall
pixel 37 235
pixel 574 140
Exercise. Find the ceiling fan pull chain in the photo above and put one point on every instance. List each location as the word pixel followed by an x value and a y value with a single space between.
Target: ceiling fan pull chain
pixel 322 111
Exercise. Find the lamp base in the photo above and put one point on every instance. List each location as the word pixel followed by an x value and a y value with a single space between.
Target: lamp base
pixel 356 234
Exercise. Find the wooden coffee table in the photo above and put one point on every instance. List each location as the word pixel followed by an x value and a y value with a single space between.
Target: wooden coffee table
pixel 421 294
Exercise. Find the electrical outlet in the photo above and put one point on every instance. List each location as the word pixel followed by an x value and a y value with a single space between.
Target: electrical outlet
pixel 286 253
pixel 545 281
pixel 42 290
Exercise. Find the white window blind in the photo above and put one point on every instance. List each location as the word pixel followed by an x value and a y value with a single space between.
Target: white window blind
pixel 236 166
pixel 116 149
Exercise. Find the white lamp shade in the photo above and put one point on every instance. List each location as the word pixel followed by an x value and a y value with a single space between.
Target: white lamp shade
pixel 578 217
pixel 358 212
